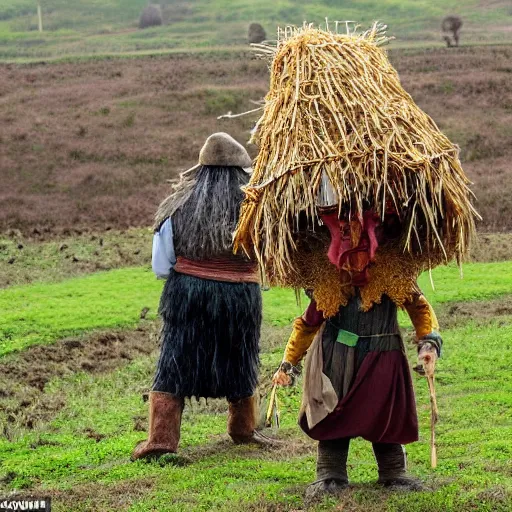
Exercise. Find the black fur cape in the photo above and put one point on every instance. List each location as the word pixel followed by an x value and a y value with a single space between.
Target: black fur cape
pixel 211 329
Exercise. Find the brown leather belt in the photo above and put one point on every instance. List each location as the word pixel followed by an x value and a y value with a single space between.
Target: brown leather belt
pixel 229 271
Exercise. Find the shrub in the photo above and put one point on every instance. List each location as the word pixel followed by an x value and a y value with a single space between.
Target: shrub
pixel 452 24
pixel 256 33
pixel 151 16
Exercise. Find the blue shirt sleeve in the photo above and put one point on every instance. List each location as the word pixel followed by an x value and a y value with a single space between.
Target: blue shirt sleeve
pixel 163 258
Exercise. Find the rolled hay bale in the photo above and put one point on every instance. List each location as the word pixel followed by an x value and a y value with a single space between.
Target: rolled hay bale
pixel 256 33
pixel 151 16
pixel 336 110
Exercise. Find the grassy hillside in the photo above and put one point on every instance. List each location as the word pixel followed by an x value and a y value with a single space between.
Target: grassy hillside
pixel 88 26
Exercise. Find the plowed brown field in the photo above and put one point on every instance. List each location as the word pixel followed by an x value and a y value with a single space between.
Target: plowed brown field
pixel 89 144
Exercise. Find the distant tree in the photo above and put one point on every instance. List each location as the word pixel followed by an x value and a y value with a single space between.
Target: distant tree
pixel 151 16
pixel 256 33
pixel 452 24
pixel 39 16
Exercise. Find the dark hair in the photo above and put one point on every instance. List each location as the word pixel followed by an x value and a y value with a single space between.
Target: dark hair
pixel 203 226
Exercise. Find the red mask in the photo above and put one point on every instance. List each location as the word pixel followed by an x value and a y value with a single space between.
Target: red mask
pixel 353 244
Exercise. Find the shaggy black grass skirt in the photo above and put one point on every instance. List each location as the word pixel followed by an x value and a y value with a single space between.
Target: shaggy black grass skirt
pixel 210 338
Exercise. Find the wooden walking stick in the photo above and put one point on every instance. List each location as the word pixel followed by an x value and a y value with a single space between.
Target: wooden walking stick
pixel 428 356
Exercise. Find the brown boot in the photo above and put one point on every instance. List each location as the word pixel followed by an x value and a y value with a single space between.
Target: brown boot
pixel 164 426
pixel 242 423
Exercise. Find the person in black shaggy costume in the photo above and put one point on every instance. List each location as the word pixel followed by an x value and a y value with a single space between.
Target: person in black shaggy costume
pixel 211 302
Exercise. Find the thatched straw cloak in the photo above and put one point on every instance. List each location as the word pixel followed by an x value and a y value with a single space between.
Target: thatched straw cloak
pixel 337 113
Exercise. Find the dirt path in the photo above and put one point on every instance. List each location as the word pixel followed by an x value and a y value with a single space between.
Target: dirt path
pixel 24 402
pixel 24 376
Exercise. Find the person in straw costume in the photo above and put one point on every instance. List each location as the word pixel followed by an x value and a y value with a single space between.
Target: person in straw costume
pixel 355 192
pixel 211 301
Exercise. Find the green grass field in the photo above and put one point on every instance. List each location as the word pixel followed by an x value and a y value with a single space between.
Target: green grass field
pixel 44 312
pixel 85 27
pixel 78 311
pixel 79 454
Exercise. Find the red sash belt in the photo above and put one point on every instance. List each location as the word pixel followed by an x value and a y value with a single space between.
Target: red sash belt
pixel 229 271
